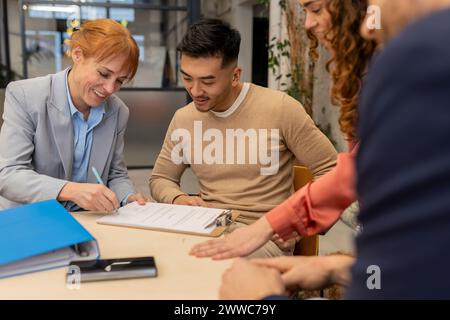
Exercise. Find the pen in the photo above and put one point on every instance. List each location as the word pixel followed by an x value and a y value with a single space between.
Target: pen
pixel 223 219
pixel 99 180
pixel 212 223
pixel 97 176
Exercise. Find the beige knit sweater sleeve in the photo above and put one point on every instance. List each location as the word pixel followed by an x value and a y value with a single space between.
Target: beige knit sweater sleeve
pixel 309 145
pixel 165 179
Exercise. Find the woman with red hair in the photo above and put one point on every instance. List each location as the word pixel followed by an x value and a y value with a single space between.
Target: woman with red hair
pixel 61 128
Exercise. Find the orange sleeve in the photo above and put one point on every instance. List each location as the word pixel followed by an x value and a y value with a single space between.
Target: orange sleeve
pixel 317 206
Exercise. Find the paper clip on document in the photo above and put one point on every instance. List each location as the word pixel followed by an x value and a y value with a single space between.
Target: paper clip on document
pixel 223 220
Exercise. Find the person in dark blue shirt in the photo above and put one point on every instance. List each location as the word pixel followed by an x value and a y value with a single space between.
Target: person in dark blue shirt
pixel 403 166
pixel 403 170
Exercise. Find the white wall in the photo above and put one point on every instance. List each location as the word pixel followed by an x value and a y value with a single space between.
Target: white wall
pixel 324 113
pixel 239 13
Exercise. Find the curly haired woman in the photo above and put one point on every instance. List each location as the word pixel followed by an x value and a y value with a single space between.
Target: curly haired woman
pixel 318 205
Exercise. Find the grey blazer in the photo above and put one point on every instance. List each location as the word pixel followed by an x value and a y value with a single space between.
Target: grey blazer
pixel 36 143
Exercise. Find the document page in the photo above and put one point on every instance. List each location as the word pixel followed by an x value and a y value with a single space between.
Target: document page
pixel 165 216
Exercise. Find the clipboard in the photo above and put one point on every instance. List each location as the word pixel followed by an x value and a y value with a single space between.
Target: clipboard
pixel 223 222
pixel 213 228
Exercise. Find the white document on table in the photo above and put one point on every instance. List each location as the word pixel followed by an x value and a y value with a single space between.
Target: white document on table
pixel 163 216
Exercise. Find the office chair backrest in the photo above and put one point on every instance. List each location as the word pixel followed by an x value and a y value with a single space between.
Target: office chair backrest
pixel 308 246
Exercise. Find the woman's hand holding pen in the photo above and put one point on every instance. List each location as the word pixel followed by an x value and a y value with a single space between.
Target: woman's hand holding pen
pixel 90 197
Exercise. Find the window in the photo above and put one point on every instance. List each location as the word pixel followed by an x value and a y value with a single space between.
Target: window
pixel 156 25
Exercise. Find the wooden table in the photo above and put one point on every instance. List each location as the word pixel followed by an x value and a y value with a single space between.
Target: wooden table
pixel 180 275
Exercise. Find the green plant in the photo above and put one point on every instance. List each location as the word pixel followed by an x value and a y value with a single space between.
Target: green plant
pixel 282 3
pixel 278 50
pixel 298 83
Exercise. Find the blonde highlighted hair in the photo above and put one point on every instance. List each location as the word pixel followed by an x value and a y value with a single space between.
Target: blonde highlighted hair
pixel 105 38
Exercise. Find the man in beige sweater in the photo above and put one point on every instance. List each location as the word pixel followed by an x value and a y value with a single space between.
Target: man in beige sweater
pixel 239 139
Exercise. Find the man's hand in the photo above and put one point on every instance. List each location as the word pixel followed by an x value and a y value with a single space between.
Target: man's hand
pixel 186 200
pixel 311 273
pixel 286 244
pixel 90 197
pixel 248 281
pixel 139 198
pixel 241 242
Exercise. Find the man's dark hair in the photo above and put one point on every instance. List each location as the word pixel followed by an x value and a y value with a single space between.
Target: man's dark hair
pixel 211 38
